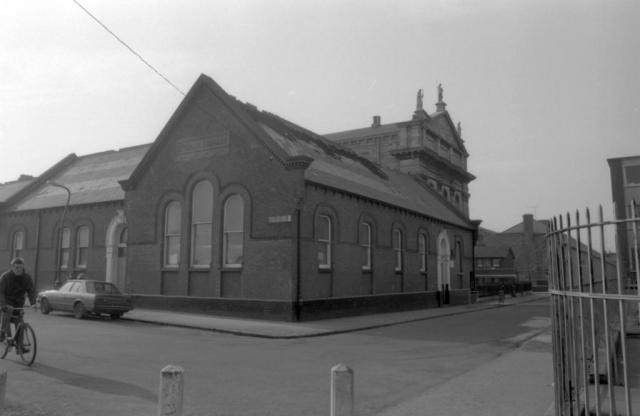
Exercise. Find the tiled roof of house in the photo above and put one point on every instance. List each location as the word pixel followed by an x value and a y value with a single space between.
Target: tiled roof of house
pixel 539 227
pixel 92 178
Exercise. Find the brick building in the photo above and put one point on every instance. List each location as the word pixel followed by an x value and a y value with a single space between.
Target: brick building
pixel 236 211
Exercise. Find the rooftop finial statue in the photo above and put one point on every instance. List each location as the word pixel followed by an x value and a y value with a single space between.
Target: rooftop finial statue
pixel 440 93
pixel 419 100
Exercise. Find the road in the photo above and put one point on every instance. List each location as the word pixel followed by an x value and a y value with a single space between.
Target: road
pixel 103 367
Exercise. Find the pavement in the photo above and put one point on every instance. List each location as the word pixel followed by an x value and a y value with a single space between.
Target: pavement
pixel 289 330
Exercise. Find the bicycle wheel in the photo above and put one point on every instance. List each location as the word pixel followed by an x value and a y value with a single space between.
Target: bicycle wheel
pixel 27 345
pixel 5 345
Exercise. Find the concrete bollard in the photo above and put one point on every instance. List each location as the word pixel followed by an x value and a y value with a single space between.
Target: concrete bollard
pixel 171 391
pixel 341 391
pixel 3 388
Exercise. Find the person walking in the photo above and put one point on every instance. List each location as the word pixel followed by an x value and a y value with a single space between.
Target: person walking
pixel 15 284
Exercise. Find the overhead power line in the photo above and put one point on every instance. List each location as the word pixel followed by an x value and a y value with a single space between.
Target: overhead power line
pixel 167 80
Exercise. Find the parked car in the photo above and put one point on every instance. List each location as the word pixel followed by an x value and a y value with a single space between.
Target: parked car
pixel 83 297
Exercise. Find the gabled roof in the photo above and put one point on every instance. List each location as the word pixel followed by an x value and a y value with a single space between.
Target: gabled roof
pixel 92 178
pixel 539 227
pixel 9 189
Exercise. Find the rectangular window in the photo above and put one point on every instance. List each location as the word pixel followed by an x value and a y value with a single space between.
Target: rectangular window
pixel 82 246
pixel 397 247
pixel 323 233
pixel 172 234
pixel 495 263
pixel 233 241
pixel 422 249
pixel 632 175
pixel 365 243
pixel 18 244
pixel 201 224
pixel 65 247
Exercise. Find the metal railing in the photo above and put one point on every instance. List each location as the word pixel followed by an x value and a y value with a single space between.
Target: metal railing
pixel 594 305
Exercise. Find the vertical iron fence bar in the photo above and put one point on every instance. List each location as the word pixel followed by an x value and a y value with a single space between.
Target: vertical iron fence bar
pixel 564 327
pixel 573 356
pixel 583 358
pixel 594 346
pixel 634 228
pixel 623 329
pixel 556 318
pixel 606 334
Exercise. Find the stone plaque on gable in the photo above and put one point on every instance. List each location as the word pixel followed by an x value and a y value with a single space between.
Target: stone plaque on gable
pixel 200 147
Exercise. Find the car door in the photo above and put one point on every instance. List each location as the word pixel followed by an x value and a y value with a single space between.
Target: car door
pixel 63 300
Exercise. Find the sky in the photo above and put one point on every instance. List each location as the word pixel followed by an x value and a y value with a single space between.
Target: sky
pixel 545 91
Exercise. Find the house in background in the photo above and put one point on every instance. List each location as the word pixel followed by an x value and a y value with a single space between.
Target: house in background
pixel 495 266
pixel 236 211
pixel 625 188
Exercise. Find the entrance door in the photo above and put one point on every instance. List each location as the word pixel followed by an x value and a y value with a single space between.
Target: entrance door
pixel 121 260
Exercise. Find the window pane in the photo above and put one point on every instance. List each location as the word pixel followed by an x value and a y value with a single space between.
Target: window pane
pixel 172 251
pixel 66 237
pixel 172 223
pixel 203 202
pixel 18 240
pixel 172 234
pixel 324 225
pixel 324 237
pixel 82 244
pixel 234 214
pixel 201 245
pixel 233 247
pixel 83 237
pixel 632 174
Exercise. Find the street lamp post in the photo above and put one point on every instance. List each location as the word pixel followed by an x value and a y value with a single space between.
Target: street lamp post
pixel 57 280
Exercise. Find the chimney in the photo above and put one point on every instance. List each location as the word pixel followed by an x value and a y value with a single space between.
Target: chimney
pixel 527 224
pixel 440 105
pixel 376 121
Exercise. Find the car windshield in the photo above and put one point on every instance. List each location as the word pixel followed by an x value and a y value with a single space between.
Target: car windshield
pixel 102 287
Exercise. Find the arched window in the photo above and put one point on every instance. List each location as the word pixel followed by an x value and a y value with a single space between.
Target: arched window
pixel 17 245
pixel 201 224
pixel 233 231
pixel 397 247
pixel 323 236
pixel 365 242
pixel 172 234
pixel 65 248
pixel 82 246
pixel 422 250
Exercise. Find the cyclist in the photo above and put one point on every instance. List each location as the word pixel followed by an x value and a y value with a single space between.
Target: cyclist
pixel 14 285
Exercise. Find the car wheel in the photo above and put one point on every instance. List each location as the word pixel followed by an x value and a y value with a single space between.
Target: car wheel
pixel 45 308
pixel 79 311
pixel 116 315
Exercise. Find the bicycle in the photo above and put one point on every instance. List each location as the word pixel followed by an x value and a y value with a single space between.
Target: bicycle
pixel 24 339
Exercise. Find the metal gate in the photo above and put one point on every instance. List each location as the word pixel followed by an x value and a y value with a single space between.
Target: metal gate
pixel 594 309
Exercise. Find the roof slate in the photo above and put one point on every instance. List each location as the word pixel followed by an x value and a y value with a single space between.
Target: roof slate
pixel 8 189
pixel 340 168
pixel 91 179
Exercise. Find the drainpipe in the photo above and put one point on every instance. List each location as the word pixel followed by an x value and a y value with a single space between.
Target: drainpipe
pixel 296 304
pixel 37 256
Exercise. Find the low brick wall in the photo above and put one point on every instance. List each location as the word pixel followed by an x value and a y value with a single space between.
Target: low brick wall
pixel 306 310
